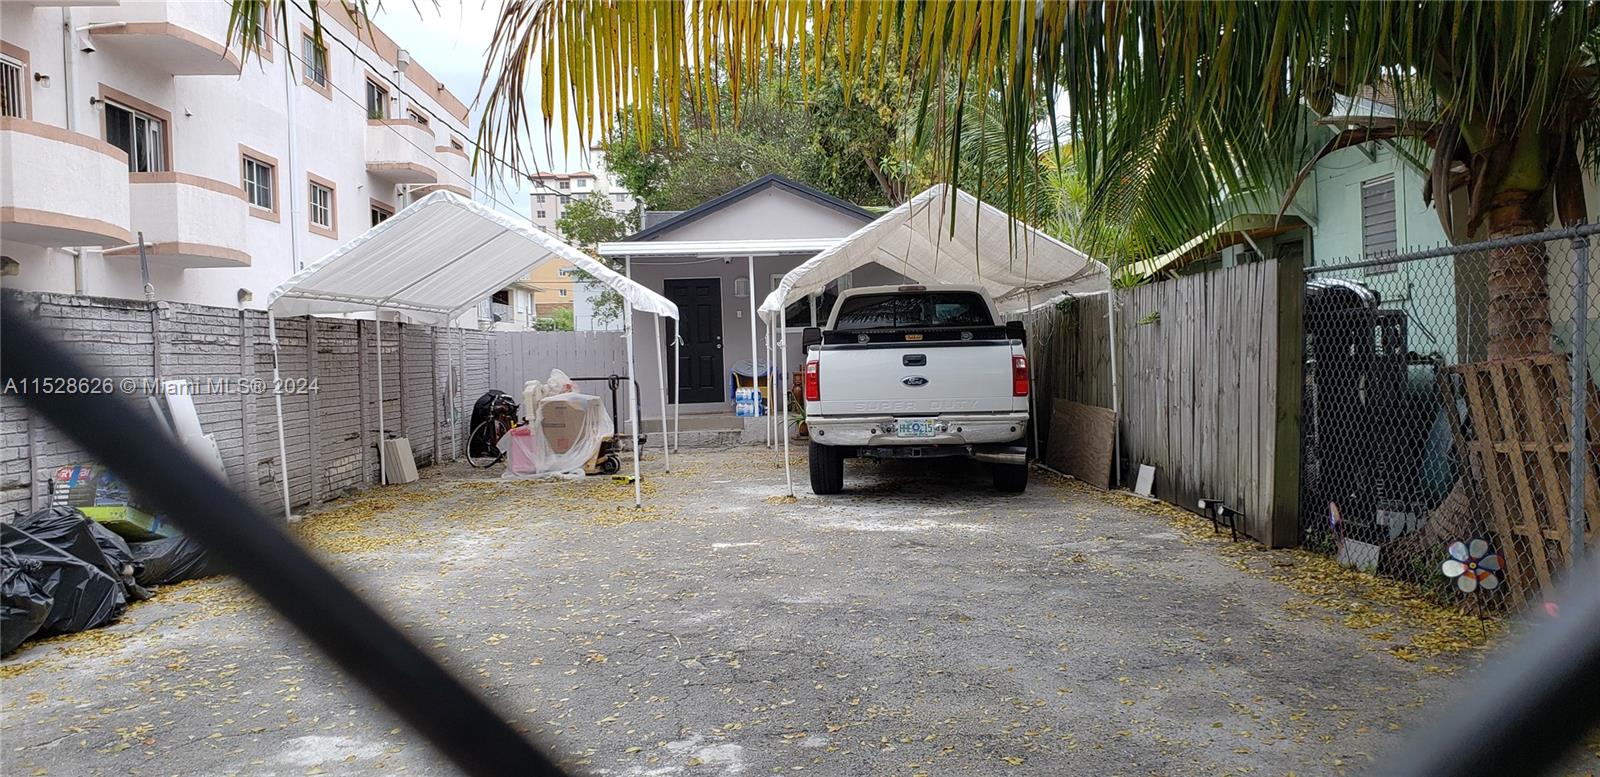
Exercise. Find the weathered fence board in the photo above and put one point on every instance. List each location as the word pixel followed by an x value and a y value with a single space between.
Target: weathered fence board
pixel 1207 394
pixel 519 357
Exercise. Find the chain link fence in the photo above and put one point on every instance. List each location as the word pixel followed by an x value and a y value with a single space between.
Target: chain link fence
pixel 1442 396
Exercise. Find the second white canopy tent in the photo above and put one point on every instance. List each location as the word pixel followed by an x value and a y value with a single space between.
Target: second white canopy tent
pixel 944 235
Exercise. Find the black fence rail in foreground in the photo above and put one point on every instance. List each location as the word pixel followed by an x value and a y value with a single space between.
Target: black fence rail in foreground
pixel 1443 390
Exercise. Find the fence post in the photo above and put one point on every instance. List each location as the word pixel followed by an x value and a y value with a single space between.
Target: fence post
pixel 1578 459
pixel 1284 529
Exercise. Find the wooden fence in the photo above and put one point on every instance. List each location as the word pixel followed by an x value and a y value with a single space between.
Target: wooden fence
pixel 1209 385
pixel 518 357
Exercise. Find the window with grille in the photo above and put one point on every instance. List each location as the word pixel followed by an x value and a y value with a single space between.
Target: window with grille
pixel 258 183
pixel 139 134
pixel 416 116
pixel 377 100
pixel 11 89
pixel 321 206
pixel 315 60
pixel 1379 233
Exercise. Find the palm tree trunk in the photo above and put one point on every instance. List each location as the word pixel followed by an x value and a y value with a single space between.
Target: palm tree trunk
pixel 1519 302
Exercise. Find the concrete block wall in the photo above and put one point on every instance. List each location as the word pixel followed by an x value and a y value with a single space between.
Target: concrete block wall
pixel 328 370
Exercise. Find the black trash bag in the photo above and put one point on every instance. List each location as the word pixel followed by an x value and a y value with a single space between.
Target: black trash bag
pixel 24 604
pixel 70 530
pixel 492 403
pixel 172 560
pixel 82 595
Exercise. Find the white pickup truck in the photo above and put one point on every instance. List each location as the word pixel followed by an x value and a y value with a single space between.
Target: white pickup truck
pixel 916 371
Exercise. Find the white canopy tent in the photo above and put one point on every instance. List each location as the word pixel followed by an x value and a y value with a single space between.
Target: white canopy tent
pixel 430 263
pixel 945 235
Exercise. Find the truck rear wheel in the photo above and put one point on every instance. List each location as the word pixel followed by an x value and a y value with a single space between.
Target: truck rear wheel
pixel 1010 478
pixel 827 469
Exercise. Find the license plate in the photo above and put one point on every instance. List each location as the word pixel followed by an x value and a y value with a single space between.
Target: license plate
pixel 914 427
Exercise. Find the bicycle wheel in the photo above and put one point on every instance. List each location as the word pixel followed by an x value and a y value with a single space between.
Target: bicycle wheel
pixel 481 449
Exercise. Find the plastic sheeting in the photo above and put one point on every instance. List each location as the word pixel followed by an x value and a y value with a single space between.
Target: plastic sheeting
pixel 1017 264
pixel 565 435
pixel 436 258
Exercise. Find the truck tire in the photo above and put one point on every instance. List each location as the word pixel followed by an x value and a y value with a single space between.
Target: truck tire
pixel 1010 478
pixel 827 469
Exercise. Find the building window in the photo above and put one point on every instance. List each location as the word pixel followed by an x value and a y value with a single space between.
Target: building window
pixel 416 117
pixel 539 198
pixel 380 213
pixel 562 292
pixel 321 200
pixel 315 60
pixel 539 214
pixel 12 86
pixel 1379 236
pixel 141 135
pixel 565 185
pixel 258 183
pixel 456 144
pixel 377 100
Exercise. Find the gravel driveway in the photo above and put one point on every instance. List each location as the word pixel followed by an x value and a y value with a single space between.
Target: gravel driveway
pixel 917 624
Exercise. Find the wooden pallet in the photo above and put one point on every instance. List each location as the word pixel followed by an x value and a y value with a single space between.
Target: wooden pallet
pixel 1517 441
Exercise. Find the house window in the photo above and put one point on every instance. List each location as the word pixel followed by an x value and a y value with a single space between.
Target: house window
pixel 562 292
pixel 258 183
pixel 141 135
pixel 455 143
pixel 321 206
pixel 315 60
pixel 12 96
pixel 377 100
pixel 539 198
pixel 565 185
pixel 380 213
pixel 416 117
pixel 1378 225
pixel 539 214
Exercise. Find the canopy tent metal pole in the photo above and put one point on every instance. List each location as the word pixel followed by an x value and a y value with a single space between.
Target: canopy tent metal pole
pixel 383 459
pixel 277 399
pixel 633 406
pixel 772 439
pixel 783 344
pixel 452 388
pixel 661 376
pixel 677 379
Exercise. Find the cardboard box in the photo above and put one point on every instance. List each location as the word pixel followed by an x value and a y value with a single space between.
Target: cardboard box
pixel 130 522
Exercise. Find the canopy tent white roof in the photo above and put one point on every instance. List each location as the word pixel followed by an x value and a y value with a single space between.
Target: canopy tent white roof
pixel 430 262
pixel 1017 264
pixel 438 257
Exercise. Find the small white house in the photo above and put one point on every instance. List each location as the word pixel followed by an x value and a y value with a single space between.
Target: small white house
pixel 707 259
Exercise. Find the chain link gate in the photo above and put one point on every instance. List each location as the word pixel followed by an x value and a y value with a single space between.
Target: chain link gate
pixel 1440 403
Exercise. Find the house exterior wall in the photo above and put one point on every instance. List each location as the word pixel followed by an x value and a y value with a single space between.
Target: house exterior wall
pixel 213 119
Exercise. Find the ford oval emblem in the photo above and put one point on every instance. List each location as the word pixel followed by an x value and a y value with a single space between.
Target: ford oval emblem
pixel 915 380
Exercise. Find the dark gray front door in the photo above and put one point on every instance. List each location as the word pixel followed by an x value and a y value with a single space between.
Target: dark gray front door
pixel 699 302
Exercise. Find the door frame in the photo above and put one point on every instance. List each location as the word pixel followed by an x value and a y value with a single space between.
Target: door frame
pixel 672 374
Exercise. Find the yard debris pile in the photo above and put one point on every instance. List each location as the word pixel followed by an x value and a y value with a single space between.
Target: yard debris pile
pixel 63 572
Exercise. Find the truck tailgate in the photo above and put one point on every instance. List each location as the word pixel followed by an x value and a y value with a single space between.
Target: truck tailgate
pixel 912 380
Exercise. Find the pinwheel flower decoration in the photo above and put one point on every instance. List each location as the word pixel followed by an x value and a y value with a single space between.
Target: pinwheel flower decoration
pixel 1473 566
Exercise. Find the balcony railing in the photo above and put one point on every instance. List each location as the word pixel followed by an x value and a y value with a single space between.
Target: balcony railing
pixel 174 36
pixel 401 151
pixel 188 221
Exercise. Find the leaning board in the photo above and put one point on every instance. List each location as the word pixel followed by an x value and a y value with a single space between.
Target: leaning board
pixel 1082 441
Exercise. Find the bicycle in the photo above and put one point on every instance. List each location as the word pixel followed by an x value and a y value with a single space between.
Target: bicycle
pixel 483 443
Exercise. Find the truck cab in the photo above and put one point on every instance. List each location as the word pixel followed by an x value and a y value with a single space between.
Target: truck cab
pixel 914 372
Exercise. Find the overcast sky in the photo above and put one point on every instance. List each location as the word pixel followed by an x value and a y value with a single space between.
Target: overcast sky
pixel 451 40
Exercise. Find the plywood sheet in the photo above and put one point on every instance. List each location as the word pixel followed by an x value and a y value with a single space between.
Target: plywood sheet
pixel 1082 441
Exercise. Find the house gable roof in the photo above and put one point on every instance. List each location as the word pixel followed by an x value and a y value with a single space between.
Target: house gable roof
pixel 758 185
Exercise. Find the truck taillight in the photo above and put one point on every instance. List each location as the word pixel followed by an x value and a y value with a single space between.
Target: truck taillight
pixel 1019 376
pixel 813 381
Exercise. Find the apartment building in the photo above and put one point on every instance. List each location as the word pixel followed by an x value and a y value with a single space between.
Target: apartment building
pixel 136 118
